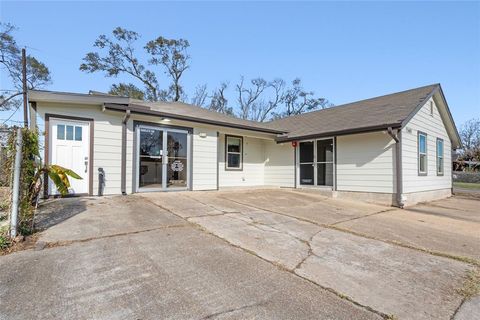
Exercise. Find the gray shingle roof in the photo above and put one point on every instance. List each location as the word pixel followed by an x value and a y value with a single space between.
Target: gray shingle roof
pixel 361 116
pixel 375 113
pixel 195 113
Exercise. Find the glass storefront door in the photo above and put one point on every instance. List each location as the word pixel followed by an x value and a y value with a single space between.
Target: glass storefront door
pixel 316 162
pixel 163 158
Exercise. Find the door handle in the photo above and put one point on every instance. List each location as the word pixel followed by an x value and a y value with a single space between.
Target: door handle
pixel 86 164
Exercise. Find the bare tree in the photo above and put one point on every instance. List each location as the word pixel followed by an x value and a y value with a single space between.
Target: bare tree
pixel 200 96
pixel 120 58
pixel 470 135
pixel 297 101
pixel 117 56
pixel 278 97
pixel 219 102
pixel 249 98
pixel 172 54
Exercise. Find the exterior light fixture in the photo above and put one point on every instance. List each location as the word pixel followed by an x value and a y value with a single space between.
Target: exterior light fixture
pixel 165 120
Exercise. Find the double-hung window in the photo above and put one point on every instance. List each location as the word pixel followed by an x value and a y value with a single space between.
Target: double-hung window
pixel 233 153
pixel 422 154
pixel 439 157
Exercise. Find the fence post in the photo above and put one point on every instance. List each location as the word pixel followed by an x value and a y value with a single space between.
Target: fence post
pixel 16 184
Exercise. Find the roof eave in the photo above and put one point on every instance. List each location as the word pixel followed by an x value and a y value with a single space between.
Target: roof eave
pixel 340 132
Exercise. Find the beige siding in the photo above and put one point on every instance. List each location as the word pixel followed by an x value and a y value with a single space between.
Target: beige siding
pixel 434 128
pixel 279 164
pixel 204 160
pixel 252 173
pixel 366 163
pixel 107 140
pixel 264 161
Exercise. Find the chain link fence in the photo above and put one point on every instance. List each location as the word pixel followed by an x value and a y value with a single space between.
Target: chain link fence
pixel 4 180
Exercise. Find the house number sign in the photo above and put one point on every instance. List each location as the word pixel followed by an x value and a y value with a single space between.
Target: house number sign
pixel 177 165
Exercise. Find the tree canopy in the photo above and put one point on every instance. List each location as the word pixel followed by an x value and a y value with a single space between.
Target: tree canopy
pixel 255 99
pixel 38 74
pixel 470 135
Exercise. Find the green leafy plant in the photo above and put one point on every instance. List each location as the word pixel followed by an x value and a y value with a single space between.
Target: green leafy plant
pixel 58 174
pixel 4 241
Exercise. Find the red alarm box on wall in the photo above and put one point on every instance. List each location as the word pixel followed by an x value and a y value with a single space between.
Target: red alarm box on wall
pixel 294 144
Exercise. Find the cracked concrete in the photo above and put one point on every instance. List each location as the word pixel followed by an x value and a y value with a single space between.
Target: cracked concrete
pixel 469 310
pixel 115 250
pixel 390 279
pixel 399 281
pixel 174 273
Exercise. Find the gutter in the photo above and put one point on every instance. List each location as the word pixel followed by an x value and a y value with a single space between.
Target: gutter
pixel 397 137
pixel 124 152
pixel 286 138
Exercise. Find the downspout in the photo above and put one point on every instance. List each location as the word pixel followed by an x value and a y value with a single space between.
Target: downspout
pixel 295 167
pixel 398 164
pixel 124 152
pixel 218 160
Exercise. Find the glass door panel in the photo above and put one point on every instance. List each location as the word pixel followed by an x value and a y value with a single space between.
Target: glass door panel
pixel 324 162
pixel 325 150
pixel 177 152
pixel 325 174
pixel 306 161
pixel 151 151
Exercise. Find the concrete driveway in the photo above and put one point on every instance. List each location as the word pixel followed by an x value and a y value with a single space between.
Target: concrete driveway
pixel 260 254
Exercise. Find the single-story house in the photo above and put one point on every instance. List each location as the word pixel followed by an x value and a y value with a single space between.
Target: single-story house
pixel 393 149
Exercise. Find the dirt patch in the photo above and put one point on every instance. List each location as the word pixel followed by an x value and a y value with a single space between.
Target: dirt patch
pixel 25 244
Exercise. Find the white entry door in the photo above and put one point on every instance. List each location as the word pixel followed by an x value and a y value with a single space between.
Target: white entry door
pixel 69 148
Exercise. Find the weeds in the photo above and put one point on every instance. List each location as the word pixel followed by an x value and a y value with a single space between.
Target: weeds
pixel 471 285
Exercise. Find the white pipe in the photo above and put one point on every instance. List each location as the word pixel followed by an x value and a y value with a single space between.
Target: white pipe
pixel 16 184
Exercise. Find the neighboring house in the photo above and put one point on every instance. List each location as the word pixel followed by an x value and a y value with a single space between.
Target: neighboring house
pixel 393 149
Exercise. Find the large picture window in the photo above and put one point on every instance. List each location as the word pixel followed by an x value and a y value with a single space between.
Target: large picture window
pixel 422 154
pixel 439 157
pixel 233 153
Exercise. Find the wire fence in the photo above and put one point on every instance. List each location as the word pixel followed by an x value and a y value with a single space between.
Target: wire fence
pixel 4 134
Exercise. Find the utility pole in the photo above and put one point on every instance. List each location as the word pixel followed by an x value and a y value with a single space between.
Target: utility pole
pixel 24 83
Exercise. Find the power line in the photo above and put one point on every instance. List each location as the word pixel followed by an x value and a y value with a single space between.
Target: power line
pixel 8 119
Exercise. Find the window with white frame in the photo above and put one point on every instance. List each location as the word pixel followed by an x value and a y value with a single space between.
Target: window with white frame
pixel 233 153
pixel 439 157
pixel 422 153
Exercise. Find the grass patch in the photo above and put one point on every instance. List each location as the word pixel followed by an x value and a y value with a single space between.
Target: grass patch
pixel 467 185
pixel 471 285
